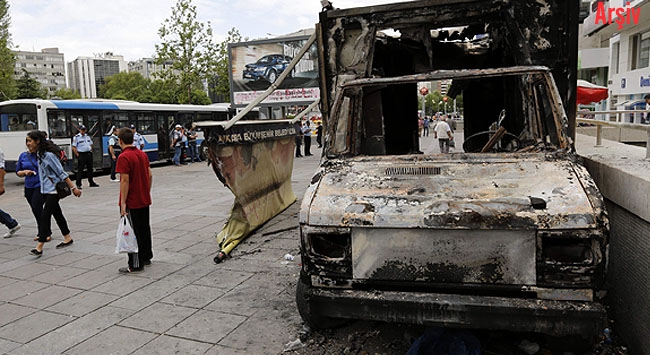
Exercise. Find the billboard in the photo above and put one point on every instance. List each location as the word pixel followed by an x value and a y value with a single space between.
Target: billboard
pixel 255 65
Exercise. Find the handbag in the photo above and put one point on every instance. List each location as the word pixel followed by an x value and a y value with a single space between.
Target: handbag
pixel 62 189
pixel 126 241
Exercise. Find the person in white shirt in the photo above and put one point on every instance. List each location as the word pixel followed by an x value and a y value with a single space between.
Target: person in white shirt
pixel 443 133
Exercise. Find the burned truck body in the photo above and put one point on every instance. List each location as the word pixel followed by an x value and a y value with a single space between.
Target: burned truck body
pixel 509 232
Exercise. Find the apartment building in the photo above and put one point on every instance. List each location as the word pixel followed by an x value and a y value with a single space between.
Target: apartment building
pixel 86 74
pixel 148 67
pixel 47 67
pixel 619 57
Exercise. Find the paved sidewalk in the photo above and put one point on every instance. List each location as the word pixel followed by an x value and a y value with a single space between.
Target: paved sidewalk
pixel 74 301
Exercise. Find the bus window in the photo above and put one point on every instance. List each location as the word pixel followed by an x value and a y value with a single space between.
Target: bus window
pixel 76 120
pixel 204 116
pixel 93 125
pixel 56 124
pixel 145 123
pixel 185 118
pixel 19 117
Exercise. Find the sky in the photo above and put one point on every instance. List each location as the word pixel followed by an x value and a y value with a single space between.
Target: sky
pixel 83 28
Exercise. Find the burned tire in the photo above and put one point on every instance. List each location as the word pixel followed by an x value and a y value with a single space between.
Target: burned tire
pixel 310 319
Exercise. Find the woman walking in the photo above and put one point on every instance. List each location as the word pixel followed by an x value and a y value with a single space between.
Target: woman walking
pixel 27 167
pixel 50 172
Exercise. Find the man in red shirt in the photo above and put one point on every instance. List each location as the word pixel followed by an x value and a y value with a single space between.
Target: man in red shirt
pixel 136 179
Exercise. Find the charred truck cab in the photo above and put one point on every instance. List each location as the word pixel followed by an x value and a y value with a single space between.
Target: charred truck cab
pixel 510 231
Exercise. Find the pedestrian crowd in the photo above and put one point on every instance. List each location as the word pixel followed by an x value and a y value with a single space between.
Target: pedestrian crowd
pixel 304 132
pixel 443 131
pixel 46 182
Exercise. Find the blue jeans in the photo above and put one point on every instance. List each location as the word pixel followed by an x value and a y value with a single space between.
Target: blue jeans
pixel 194 152
pixel 6 219
pixel 177 155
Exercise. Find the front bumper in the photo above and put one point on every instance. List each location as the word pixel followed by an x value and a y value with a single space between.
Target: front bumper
pixel 557 318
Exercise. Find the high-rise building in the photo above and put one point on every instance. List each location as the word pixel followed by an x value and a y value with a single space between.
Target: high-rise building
pixel 47 67
pixel 148 67
pixel 86 74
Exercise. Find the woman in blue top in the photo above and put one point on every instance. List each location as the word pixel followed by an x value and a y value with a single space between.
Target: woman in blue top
pixel 50 172
pixel 27 167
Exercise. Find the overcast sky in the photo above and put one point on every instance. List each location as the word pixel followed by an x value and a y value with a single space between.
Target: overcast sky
pixel 81 28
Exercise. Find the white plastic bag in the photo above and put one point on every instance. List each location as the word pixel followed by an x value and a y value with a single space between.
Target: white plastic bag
pixel 126 241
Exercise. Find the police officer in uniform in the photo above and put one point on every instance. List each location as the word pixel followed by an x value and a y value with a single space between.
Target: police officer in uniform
pixel 114 149
pixel 138 140
pixel 82 147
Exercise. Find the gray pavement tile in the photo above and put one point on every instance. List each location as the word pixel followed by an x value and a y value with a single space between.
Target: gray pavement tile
pixel 224 279
pixel 63 259
pixel 33 326
pixel 202 248
pixel 8 245
pixel 75 332
pixel 28 271
pixel 268 337
pixel 207 326
pixel 47 297
pixel 164 345
pixel 159 269
pixel 90 280
pixel 158 317
pixel 223 350
pixel 254 297
pixel 121 286
pixel 114 340
pixel 20 289
pixel 93 262
pixel 4 281
pixel 149 294
pixel 10 312
pixel 7 346
pixel 58 274
pixel 82 303
pixel 260 262
pixel 176 245
pixel 194 296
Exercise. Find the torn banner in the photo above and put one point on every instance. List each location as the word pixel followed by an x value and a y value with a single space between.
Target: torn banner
pixel 254 160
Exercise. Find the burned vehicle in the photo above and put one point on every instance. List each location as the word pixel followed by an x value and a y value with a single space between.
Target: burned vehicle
pixel 508 232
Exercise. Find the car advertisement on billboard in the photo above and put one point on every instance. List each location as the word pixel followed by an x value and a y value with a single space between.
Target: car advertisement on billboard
pixel 255 65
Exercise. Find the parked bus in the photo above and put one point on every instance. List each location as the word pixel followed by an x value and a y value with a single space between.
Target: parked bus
pixel 61 118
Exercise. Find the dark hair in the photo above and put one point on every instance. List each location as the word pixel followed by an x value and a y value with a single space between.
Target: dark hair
pixel 44 145
pixel 126 135
pixel 646 97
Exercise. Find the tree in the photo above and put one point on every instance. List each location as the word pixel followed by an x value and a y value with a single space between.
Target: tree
pixel 220 81
pixel 187 44
pixel 29 88
pixel 67 94
pixel 7 58
pixel 125 86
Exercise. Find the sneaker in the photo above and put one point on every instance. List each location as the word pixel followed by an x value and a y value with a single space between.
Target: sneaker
pixel 128 270
pixel 94 185
pixel 12 231
pixel 115 180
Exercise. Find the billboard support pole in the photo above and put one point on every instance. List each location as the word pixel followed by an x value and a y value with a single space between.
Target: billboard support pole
pixel 273 86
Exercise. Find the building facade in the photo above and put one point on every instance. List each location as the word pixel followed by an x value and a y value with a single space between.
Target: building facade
pixel 148 67
pixel 620 53
pixel 86 74
pixel 47 67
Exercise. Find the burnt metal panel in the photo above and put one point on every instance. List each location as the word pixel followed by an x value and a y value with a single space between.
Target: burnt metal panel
pixel 444 256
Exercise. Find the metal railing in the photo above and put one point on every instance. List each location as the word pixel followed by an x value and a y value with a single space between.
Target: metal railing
pixel 619 117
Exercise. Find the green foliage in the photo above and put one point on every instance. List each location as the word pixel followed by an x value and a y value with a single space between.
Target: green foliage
pixel 187 44
pixel 29 88
pixel 67 94
pixel 125 86
pixel 434 103
pixel 221 80
pixel 7 58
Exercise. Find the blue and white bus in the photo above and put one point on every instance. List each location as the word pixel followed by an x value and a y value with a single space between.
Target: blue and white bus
pixel 61 118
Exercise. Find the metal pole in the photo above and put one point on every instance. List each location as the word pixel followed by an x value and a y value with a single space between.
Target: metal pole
pixel 599 135
pixel 273 86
